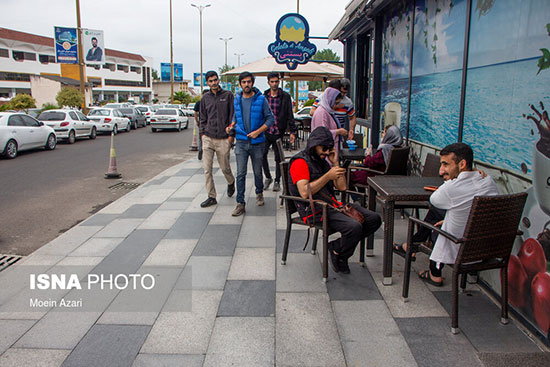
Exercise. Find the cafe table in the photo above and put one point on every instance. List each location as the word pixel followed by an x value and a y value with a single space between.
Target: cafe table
pixel 352 155
pixel 394 191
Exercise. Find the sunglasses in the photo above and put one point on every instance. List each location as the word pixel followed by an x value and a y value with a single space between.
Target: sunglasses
pixel 326 148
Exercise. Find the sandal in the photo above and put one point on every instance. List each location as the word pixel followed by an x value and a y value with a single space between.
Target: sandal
pixel 425 276
pixel 399 250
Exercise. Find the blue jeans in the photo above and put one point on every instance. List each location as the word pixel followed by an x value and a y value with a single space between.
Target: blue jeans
pixel 243 150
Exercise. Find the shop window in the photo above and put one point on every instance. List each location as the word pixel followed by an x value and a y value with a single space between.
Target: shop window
pixel 21 55
pixel 4 52
pixel 46 59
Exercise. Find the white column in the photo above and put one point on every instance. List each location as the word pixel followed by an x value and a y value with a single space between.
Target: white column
pixel 12 92
pixel 116 96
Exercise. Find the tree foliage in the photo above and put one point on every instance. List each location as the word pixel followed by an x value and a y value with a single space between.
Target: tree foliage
pixel 22 102
pixel 70 97
pixel 181 97
pixel 326 55
pixel 233 79
pixel 155 74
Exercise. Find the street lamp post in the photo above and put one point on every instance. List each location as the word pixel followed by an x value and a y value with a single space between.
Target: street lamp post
pixel 171 59
pixel 201 8
pixel 238 58
pixel 225 40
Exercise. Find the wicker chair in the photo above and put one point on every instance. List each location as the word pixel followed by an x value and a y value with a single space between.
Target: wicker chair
pixel 486 244
pixel 291 218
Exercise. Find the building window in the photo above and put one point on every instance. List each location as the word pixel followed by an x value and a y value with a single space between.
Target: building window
pixel 46 59
pixel 122 68
pixel 16 77
pixel 4 52
pixel 111 67
pixel 135 69
pixel 123 83
pixel 21 55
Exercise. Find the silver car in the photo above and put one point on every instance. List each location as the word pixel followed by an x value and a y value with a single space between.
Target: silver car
pixel 19 131
pixel 69 124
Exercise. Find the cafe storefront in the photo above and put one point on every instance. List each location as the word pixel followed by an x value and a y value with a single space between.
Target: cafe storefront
pixel 476 71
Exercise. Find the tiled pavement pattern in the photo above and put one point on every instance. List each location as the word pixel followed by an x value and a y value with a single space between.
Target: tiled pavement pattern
pixel 223 299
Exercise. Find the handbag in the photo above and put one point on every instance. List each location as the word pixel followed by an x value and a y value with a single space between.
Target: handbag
pixel 351 212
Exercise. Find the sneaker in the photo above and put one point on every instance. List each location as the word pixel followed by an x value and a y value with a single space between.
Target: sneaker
pixel 239 210
pixel 334 263
pixel 230 189
pixel 267 183
pixel 276 186
pixel 208 202
pixel 343 266
pixel 260 199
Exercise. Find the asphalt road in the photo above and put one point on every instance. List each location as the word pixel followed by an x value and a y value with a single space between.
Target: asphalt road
pixel 44 193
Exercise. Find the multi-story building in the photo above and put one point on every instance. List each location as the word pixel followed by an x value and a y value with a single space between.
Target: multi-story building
pixel 22 55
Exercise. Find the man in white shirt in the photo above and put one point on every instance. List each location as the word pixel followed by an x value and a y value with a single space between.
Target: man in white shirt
pixel 455 196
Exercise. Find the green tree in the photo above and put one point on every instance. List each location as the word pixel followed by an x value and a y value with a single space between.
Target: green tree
pixel 155 74
pixel 22 102
pixel 49 106
pixel 325 55
pixel 70 97
pixel 181 97
pixel 290 85
pixel 196 99
pixel 233 79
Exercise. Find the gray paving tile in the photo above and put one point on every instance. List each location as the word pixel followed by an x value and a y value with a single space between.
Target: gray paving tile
pixel 156 181
pixel 189 190
pixel 33 357
pixel 161 219
pixel 185 332
pixel 269 208
pixel 515 359
pixel 187 172
pixel 252 264
pixel 97 247
pixel 432 343
pixel 139 211
pixel 302 273
pixel 189 225
pixel 242 341
pixel 99 219
pixel 248 298
pixel 16 278
pixel 306 333
pixel 369 333
pixel 171 253
pixel 168 360
pixel 58 330
pixel 206 272
pixel 11 331
pixel 218 240
pixel 222 215
pixel 68 241
pixel 358 285
pixel 297 241
pixel 175 204
pixel 120 227
pixel 257 232
pixel 479 319
pixel 127 257
pixel 108 345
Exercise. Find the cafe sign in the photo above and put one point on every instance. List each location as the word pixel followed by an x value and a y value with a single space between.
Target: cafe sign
pixel 292 46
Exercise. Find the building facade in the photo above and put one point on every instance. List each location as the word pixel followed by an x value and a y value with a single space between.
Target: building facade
pixel 22 55
pixel 162 89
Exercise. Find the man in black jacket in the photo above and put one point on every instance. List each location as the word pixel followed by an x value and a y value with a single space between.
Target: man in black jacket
pixel 281 106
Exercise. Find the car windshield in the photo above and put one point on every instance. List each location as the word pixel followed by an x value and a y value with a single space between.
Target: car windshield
pixel 172 106
pixel 127 111
pixel 99 113
pixel 142 109
pixel 114 105
pixel 52 116
pixel 166 112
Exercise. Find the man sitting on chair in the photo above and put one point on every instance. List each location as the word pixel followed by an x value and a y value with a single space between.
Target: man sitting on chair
pixel 451 204
pixel 309 169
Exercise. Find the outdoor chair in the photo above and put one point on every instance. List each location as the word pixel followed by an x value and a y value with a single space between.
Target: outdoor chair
pixel 291 218
pixel 280 149
pixel 486 244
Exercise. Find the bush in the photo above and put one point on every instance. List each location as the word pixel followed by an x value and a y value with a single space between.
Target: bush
pixel 70 97
pixel 48 106
pixel 22 102
pixel 5 107
pixel 309 102
pixel 196 99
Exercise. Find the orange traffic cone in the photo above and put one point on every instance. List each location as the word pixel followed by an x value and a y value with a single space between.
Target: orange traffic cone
pixel 194 143
pixel 112 172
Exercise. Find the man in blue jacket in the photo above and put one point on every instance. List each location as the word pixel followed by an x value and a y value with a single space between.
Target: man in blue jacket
pixel 252 118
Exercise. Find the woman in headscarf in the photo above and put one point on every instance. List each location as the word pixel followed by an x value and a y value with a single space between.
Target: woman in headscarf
pixel 325 115
pixel 391 138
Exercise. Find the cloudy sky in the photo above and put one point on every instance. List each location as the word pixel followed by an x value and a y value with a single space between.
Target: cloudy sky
pixel 142 26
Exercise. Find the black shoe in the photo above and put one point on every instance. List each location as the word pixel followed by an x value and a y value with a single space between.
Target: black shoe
pixel 343 266
pixel 334 261
pixel 208 202
pixel 231 189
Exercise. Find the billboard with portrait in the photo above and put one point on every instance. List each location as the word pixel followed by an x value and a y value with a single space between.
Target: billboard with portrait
pixel 93 44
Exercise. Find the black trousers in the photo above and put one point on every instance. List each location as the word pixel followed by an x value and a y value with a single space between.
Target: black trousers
pixel 351 230
pixel 271 140
pixel 433 216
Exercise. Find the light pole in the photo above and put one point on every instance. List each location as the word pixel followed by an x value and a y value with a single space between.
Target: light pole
pixel 171 59
pixel 226 67
pixel 201 8
pixel 238 58
pixel 81 57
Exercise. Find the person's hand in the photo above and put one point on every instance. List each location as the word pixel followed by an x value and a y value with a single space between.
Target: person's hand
pixel 350 135
pixel 439 224
pixel 333 157
pixel 341 131
pixel 228 129
pixel 292 138
pixel 230 139
pixel 336 172
pixel 254 134
pixel 482 173
pixel 369 150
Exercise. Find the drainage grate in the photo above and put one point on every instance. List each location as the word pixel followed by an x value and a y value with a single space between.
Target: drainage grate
pixel 8 260
pixel 124 186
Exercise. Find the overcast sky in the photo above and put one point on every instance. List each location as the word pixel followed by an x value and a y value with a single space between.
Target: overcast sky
pixel 143 26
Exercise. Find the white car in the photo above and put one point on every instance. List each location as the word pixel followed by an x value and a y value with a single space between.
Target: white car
pixel 148 111
pixel 169 118
pixel 303 112
pixel 19 131
pixel 69 124
pixel 117 105
pixel 109 119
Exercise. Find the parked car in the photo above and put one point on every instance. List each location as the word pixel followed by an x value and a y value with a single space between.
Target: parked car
pixel 69 125
pixel 189 110
pixel 19 131
pixel 135 116
pixel 169 118
pixel 303 112
pixel 148 111
pixel 109 119
pixel 117 105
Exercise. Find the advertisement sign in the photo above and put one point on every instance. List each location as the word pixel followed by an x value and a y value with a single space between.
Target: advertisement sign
pixel 66 45
pixel 94 46
pixel 196 79
pixel 292 46
pixel 165 72
pixel 303 91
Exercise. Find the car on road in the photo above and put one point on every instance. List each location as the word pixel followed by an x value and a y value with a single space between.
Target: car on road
pixel 303 112
pixel 135 116
pixel 109 119
pixel 189 110
pixel 148 111
pixel 169 118
pixel 117 105
pixel 69 125
pixel 19 131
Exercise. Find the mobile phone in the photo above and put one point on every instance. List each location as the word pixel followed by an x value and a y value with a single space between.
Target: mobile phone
pixel 346 164
pixel 430 188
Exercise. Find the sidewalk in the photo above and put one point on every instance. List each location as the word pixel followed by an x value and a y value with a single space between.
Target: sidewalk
pixel 222 298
